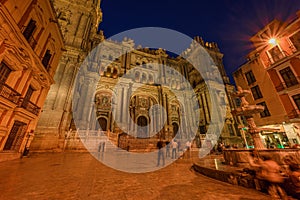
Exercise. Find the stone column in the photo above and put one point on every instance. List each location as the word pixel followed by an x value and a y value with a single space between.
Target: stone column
pixel 87 110
pixel 125 108
pixel 118 106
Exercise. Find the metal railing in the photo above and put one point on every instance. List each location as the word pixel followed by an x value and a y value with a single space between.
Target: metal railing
pixel 280 87
pixel 294 114
pixel 9 93
pixel 29 106
pixel 287 84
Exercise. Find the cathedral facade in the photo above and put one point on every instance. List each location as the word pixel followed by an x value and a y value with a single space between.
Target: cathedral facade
pixel 132 84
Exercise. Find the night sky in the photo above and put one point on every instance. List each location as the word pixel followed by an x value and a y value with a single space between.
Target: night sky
pixel 230 23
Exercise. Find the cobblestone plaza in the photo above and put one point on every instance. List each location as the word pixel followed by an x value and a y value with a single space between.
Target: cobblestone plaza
pixel 81 176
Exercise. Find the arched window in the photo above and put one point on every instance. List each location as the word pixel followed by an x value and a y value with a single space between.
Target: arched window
pixel 137 76
pixel 144 78
pixel 115 73
pixel 151 79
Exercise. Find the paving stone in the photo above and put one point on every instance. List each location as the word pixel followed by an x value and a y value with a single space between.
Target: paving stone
pixel 80 176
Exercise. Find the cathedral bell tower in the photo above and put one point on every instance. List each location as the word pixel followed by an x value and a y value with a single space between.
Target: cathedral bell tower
pixel 79 21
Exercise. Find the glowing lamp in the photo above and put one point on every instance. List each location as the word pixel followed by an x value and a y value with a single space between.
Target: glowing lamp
pixel 273 41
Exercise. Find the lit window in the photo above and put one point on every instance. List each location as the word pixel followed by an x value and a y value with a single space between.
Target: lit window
pixel 275 54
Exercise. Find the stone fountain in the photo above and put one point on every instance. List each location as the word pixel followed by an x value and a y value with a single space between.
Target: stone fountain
pixel 248 111
pixel 240 157
pixel 237 169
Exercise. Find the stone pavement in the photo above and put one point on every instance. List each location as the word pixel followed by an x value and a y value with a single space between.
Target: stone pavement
pixel 81 176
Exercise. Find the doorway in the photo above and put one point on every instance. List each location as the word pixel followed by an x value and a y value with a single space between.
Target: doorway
pixel 142 131
pixel 102 123
pixel 15 136
pixel 175 129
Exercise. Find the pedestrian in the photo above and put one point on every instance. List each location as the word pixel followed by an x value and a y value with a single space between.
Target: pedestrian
pixel 178 146
pixel 174 145
pixel 100 147
pixel 168 149
pixel 160 155
pixel 293 173
pixel 188 149
pixel 268 170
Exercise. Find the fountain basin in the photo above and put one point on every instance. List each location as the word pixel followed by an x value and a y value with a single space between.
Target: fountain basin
pixel 240 157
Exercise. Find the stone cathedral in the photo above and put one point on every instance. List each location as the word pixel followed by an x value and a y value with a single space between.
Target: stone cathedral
pixel 79 20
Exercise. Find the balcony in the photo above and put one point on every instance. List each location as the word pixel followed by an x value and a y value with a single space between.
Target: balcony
pixel 277 57
pixel 280 87
pixel 9 93
pixel 294 114
pixel 287 84
pixel 29 106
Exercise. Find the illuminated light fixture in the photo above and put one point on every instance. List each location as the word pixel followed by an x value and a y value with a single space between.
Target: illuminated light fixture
pixel 273 41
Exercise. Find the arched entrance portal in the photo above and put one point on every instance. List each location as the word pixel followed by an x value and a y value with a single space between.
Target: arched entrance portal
pixel 103 123
pixel 175 128
pixel 142 131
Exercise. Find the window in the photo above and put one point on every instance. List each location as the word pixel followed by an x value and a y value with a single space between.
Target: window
pixel 4 72
pixel 250 77
pixel 295 39
pixel 237 102
pixel 46 59
pixel 28 95
pixel 256 92
pixel 266 112
pixel 29 29
pixel 288 77
pixel 202 129
pixel 275 54
pixel 297 100
pixel 230 129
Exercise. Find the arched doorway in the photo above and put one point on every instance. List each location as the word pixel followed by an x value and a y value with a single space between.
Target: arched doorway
pixel 103 123
pixel 142 131
pixel 175 128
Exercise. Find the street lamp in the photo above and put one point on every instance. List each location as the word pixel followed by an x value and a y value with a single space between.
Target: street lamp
pixel 273 41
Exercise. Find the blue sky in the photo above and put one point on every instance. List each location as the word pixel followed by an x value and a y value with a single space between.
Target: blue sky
pixel 230 23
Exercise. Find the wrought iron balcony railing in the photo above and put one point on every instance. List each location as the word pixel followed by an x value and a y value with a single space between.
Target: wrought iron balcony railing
pixel 29 106
pixel 9 93
pixel 287 84
pixel 294 114
pixel 280 87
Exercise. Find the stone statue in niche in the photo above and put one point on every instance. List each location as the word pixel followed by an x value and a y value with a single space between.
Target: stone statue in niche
pixel 105 101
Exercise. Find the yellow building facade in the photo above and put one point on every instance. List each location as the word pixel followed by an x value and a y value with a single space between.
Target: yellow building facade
pixel 272 75
pixel 30 47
